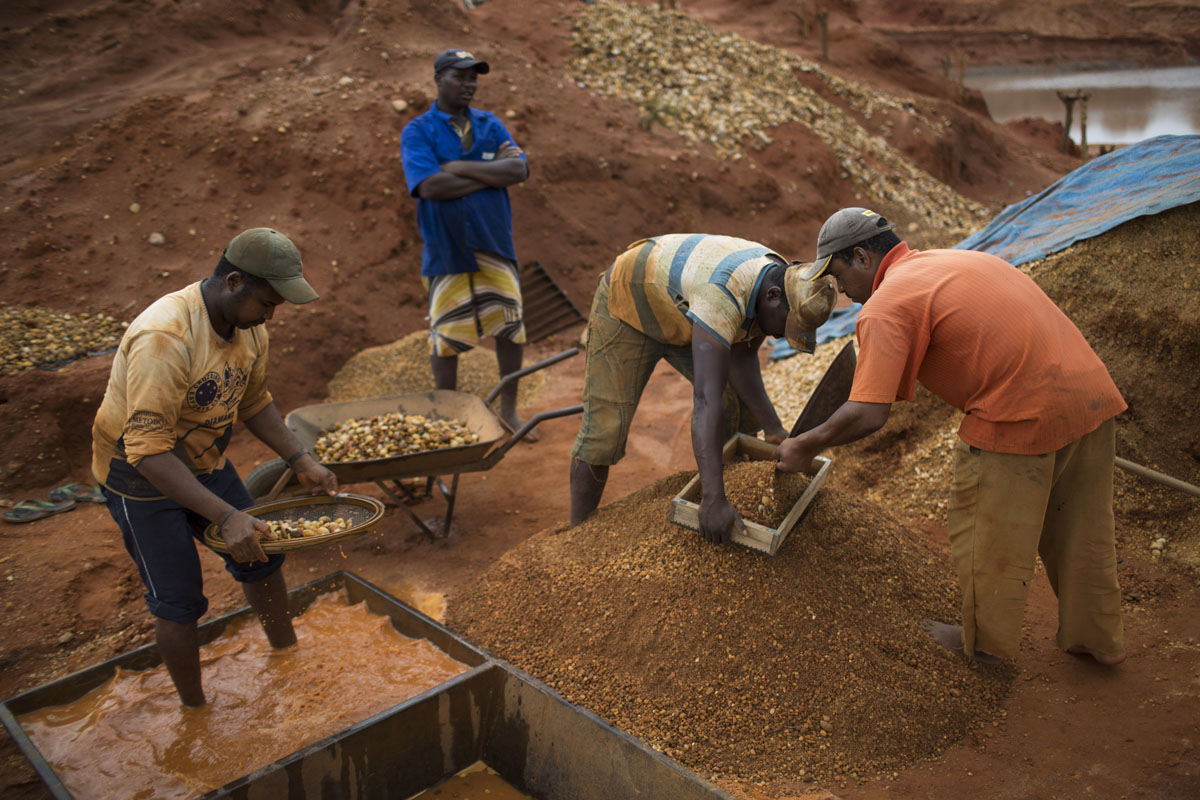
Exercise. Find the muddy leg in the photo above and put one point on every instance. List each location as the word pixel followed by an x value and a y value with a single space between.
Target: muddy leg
pixel 587 487
pixel 269 600
pixel 508 358
pixel 180 650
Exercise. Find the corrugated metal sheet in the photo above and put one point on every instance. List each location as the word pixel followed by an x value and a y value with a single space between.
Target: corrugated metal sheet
pixel 547 308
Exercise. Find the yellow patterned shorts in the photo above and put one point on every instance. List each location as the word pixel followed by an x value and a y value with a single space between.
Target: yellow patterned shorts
pixel 465 307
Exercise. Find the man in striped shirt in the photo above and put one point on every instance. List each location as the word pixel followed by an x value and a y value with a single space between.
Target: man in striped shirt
pixel 1033 467
pixel 704 303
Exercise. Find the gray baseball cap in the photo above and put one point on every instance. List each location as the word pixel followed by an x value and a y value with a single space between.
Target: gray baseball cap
pixel 845 228
pixel 269 254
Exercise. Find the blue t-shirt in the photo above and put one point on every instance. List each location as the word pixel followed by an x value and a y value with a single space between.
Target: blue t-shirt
pixel 454 229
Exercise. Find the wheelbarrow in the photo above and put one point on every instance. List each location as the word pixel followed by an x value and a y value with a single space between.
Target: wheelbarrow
pixel 495 440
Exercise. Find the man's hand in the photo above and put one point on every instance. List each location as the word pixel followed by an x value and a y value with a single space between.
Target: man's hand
pixel 314 477
pixel 795 455
pixel 509 150
pixel 718 518
pixel 240 533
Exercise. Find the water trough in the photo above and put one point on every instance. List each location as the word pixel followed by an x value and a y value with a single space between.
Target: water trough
pixel 494 713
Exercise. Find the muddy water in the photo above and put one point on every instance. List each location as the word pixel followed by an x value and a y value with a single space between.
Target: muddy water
pixel 132 738
pixel 1125 106
pixel 476 782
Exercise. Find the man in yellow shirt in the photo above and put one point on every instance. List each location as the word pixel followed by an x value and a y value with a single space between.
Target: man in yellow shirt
pixel 188 367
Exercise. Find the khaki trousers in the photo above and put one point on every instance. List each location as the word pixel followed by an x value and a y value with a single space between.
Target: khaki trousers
pixel 1008 509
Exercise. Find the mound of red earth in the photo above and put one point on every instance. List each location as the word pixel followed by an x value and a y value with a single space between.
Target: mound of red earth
pixel 197 121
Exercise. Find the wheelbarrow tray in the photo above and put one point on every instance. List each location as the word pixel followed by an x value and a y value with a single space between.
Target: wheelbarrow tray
pixel 307 422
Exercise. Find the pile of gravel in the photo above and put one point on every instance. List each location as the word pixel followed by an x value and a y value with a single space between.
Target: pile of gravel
pixel 807 665
pixel 721 89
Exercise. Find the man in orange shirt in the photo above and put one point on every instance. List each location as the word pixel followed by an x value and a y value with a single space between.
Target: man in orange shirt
pixel 1033 467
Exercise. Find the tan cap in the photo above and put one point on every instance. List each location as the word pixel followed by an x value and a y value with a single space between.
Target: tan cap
pixel 809 305
pixel 268 254
pixel 845 228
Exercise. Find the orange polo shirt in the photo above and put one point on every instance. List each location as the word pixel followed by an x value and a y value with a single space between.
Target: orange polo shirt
pixel 981 335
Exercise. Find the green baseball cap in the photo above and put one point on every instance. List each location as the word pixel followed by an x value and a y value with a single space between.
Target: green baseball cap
pixel 846 228
pixel 268 254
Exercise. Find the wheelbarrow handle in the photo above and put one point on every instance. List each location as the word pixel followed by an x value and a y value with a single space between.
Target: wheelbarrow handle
pixel 531 423
pixel 521 373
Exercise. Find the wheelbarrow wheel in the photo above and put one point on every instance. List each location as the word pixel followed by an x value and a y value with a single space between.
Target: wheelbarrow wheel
pixel 262 479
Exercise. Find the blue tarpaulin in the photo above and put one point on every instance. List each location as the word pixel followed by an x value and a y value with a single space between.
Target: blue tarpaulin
pixel 1144 178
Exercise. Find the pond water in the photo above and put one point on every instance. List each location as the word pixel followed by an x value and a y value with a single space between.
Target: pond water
pixel 1125 106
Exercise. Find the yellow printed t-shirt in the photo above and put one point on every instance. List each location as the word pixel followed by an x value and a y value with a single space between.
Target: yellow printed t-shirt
pixel 176 386
pixel 662 286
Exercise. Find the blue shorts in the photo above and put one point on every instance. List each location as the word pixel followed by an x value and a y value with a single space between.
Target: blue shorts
pixel 161 535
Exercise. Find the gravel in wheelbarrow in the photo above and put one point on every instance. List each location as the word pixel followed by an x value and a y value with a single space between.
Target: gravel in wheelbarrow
pixel 363 514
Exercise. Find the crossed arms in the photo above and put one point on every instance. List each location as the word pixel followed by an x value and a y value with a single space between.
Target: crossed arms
pixel 461 178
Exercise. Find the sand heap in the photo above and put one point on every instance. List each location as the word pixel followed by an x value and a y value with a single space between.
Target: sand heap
pixel 808 665
pixel 402 367
pixel 1132 291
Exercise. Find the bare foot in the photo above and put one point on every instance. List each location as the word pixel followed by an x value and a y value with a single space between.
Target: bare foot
pixel 1107 659
pixel 950 637
pixel 514 423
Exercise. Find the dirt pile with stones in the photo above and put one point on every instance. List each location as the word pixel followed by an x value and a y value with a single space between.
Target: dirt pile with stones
pixel 402 367
pixel 722 89
pixel 808 665
pixel 42 337
pixel 1132 291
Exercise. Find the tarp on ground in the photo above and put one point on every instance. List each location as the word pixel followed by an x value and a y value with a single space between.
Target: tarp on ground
pixel 1144 178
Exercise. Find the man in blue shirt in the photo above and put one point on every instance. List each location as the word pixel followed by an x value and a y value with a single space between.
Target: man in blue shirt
pixel 458 162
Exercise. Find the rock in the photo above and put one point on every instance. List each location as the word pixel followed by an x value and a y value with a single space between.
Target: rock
pixel 66 637
pixel 510 114
pixel 400 106
pixel 134 208
pixel 345 80
pixel 157 239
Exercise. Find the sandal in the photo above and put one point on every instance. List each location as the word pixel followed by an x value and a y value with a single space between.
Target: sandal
pixel 79 492
pixel 29 510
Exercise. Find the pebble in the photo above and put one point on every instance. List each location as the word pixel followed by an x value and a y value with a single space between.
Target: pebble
pixel 135 208
pixel 157 239
pixel 400 106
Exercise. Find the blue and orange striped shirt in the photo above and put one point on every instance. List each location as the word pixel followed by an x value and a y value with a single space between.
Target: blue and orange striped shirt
pixel 664 285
